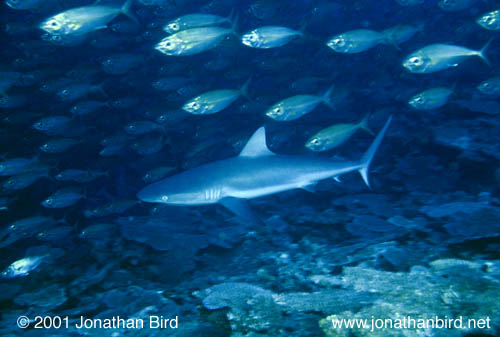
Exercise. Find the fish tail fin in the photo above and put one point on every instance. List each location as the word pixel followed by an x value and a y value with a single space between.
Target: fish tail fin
pixel 303 27
pixel 234 24
pixel 127 11
pixel 230 17
pixel 364 125
pixel 327 96
pixel 370 153
pixel 244 88
pixel 481 53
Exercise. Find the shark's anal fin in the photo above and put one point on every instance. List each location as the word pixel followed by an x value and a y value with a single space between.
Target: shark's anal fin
pixel 256 146
pixel 240 208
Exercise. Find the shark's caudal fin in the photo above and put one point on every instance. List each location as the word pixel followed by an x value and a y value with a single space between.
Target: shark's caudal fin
pixel 370 153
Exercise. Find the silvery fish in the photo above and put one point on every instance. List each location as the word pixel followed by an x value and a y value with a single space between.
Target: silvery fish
pixel 297 106
pixel 80 176
pixel 335 135
pixel 490 21
pixel 214 101
pixel 400 33
pixel 64 197
pixel 431 99
pixel 157 173
pixel 142 127
pixel 14 166
pixel 23 267
pixel 25 4
pixel 355 41
pixel 269 37
pixel 196 20
pixel 490 87
pixel 436 57
pixel 193 41
pixel 455 5
pixel 82 20
pixel 21 181
pixel 58 145
pixel 410 2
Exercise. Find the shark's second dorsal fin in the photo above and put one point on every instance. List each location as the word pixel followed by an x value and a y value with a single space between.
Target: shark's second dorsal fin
pixel 256 146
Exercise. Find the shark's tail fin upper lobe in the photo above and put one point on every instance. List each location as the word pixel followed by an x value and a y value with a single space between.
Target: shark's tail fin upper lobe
pixel 370 153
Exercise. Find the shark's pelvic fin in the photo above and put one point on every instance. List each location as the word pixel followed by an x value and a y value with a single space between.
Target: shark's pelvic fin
pixel 370 153
pixel 240 208
pixel 256 146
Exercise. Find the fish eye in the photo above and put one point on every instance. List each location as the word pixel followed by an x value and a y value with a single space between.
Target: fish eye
pixel 164 198
pixel 277 110
pixel 253 37
pixel 169 45
pixel 416 61
pixel 65 92
pixel 195 105
pixel 108 62
pixel 419 99
pixel 131 127
pixel 54 24
pixel 174 27
pixel 45 146
pixel 315 141
pixel 48 201
pixel 339 42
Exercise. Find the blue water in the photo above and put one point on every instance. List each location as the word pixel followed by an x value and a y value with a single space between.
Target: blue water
pixel 422 242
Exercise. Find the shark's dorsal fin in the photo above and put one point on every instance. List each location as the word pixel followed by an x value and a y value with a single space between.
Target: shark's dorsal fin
pixel 256 146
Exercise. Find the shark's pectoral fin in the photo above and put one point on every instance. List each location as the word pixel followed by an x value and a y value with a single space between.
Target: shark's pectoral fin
pixel 240 208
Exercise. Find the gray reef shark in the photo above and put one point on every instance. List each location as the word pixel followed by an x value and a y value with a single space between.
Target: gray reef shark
pixel 254 173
